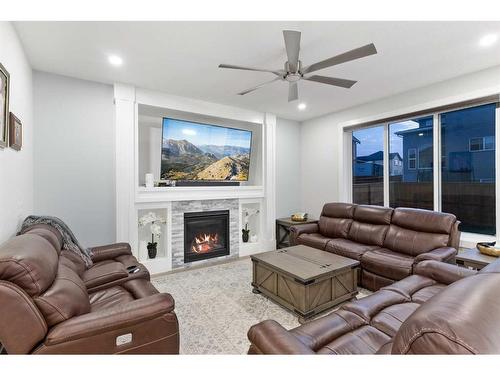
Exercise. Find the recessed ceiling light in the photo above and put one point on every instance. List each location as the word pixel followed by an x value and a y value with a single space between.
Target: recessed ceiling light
pixel 488 40
pixel 115 60
pixel 302 106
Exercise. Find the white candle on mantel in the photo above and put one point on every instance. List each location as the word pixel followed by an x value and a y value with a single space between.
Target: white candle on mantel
pixel 150 180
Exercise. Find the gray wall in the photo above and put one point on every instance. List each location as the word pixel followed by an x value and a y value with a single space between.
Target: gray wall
pixel 16 167
pixel 74 155
pixel 288 196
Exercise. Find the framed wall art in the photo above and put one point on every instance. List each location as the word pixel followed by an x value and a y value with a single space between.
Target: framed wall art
pixel 4 105
pixel 15 132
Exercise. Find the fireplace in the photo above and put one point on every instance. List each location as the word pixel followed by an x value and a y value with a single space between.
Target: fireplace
pixel 206 235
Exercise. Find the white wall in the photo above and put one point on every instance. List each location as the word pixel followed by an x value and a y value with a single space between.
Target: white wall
pixel 16 167
pixel 288 197
pixel 321 138
pixel 74 155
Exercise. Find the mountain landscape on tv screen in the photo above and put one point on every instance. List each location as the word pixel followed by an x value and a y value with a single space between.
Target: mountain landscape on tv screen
pixel 182 160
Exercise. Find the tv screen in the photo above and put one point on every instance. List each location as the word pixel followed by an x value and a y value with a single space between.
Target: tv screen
pixel 195 151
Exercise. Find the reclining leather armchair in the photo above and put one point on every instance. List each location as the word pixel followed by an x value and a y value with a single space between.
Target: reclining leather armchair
pixel 441 309
pixel 50 304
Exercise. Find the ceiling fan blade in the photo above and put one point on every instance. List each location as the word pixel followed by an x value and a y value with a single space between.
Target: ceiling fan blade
pixel 229 66
pixel 346 83
pixel 258 86
pixel 292 46
pixel 293 91
pixel 354 54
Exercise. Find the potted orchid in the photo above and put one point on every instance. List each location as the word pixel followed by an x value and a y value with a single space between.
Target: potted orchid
pixel 154 221
pixel 247 214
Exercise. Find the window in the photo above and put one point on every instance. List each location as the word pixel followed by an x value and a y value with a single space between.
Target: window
pixel 412 158
pixel 468 179
pixel 412 184
pixel 482 144
pixel 464 180
pixel 368 166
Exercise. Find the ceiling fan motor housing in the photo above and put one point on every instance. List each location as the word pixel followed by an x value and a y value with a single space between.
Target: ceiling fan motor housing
pixel 293 76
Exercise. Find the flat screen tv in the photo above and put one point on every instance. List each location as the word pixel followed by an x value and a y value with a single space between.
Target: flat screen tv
pixel 195 151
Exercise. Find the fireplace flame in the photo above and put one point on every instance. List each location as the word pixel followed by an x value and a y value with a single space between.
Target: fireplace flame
pixel 205 242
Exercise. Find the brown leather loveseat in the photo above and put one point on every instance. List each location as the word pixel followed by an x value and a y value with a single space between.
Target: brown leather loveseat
pixel 388 242
pixel 51 304
pixel 441 309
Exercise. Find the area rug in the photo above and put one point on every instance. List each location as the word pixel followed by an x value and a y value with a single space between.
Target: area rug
pixel 216 307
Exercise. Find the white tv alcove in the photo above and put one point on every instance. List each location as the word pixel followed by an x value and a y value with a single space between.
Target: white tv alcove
pixel 138 116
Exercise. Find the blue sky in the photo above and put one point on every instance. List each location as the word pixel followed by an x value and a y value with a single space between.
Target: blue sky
pixel 372 139
pixel 199 134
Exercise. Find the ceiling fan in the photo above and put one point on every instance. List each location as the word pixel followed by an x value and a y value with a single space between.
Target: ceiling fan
pixel 294 71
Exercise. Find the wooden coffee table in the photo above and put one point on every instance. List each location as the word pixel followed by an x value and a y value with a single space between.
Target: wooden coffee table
pixel 305 280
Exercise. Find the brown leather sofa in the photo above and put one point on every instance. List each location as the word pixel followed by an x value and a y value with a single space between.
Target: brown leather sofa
pixel 388 242
pixel 441 309
pixel 51 304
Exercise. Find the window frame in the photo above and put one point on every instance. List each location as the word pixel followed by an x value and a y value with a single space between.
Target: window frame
pixel 348 127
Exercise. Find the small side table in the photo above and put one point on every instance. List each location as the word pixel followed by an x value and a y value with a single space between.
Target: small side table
pixel 472 258
pixel 283 230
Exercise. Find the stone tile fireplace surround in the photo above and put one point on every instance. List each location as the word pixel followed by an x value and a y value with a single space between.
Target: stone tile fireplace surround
pixel 179 208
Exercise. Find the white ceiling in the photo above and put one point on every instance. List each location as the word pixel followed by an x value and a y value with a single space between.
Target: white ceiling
pixel 181 58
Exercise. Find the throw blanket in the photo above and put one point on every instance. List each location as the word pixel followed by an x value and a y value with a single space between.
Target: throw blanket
pixel 69 240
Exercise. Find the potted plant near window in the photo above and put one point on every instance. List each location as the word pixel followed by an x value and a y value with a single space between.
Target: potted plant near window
pixel 154 221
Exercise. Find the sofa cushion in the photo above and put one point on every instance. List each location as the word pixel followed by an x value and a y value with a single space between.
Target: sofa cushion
pixel 423 220
pixel 363 340
pixel 336 219
pixel 370 234
pixel 424 294
pixel 73 261
pixel 412 242
pixel 373 214
pixel 109 298
pixel 389 320
pixel 387 263
pixel 369 306
pixel 409 285
pixel 334 227
pixel 48 232
pixel 67 297
pixel 315 240
pixel 30 262
pixel 348 248
pixel 319 332
pixel 338 210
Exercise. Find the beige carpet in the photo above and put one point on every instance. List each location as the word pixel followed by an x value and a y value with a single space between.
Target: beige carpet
pixel 216 307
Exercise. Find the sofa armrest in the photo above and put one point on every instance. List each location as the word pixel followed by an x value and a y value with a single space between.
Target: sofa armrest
pixel 442 254
pixel 269 337
pixel 444 273
pixel 123 316
pixel 100 253
pixel 297 230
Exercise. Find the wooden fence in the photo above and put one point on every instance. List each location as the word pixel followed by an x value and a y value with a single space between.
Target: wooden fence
pixel 472 203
